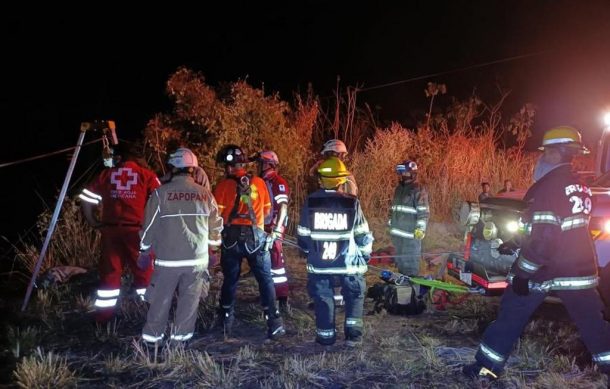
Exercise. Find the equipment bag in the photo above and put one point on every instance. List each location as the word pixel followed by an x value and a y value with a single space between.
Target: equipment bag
pixel 402 299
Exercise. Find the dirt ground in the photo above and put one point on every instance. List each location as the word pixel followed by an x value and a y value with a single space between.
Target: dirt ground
pixel 55 343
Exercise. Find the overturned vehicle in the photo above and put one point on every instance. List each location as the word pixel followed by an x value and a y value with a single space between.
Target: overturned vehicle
pixel 493 234
pixel 489 224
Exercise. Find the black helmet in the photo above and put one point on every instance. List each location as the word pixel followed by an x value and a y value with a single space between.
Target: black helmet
pixel 231 155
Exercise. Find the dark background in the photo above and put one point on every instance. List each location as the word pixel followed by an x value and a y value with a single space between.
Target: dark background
pixel 58 71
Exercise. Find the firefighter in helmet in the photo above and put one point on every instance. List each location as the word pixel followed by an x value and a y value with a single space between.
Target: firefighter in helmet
pixel 556 257
pixel 181 221
pixel 336 148
pixel 244 202
pixel 335 236
pixel 276 221
pixel 408 218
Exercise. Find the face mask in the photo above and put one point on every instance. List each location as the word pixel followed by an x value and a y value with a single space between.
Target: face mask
pixel 108 162
pixel 542 168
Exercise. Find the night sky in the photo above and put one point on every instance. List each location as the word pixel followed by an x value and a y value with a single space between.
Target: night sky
pixel 52 80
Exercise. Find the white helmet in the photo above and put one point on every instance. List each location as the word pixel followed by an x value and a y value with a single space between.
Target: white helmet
pixel 268 157
pixel 334 145
pixel 182 158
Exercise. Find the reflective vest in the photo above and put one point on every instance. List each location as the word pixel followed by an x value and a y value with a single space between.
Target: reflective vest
pixel 409 210
pixel 557 249
pixel 334 233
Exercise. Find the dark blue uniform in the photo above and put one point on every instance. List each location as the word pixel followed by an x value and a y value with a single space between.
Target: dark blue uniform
pixel 557 256
pixel 336 237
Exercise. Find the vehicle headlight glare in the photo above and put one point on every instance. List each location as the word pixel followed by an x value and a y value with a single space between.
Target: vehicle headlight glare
pixel 607 226
pixel 512 227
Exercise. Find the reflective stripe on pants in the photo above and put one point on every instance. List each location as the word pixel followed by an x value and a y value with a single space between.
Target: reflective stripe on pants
pixel 160 294
pixel 278 270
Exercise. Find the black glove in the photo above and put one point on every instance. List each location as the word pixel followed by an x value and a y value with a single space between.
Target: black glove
pixel 521 286
pixel 508 248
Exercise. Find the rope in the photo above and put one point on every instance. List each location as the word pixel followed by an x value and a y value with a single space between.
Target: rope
pixel 45 155
pixel 293 243
pixel 457 70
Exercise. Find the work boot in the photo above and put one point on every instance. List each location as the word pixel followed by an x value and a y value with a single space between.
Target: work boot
pixel 226 319
pixel 275 325
pixel 227 322
pixel 476 370
pixel 353 341
pixel 284 305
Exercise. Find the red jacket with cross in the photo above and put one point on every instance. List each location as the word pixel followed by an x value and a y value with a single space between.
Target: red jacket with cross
pixel 123 192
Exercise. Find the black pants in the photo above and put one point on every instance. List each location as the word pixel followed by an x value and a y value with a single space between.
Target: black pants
pixel 246 246
pixel 585 309
pixel 604 287
pixel 320 288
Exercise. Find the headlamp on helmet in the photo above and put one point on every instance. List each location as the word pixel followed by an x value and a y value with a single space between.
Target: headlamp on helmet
pixel 231 155
pixel 406 166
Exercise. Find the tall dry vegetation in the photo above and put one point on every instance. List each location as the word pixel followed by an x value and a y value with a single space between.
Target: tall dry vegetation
pixel 455 152
pixel 74 242
pixel 456 147
pixel 205 119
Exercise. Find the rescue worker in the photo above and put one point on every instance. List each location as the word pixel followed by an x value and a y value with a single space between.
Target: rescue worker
pixel 243 201
pixel 181 220
pixel 276 221
pixel 199 175
pixel 335 235
pixel 122 192
pixel 408 218
pixel 336 148
pixel 556 257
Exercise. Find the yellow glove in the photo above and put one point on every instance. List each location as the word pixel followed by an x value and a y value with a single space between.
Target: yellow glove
pixel 419 234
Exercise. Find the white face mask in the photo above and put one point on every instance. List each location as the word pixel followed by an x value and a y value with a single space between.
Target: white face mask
pixel 108 162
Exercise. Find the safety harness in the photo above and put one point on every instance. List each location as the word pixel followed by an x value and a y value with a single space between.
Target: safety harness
pixel 243 194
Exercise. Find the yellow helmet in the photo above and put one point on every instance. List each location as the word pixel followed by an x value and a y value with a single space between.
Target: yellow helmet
pixel 332 173
pixel 563 136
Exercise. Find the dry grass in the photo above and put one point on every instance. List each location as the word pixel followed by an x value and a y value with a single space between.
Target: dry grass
pixel 22 341
pixel 455 152
pixel 44 371
pixel 74 242
pixel 452 166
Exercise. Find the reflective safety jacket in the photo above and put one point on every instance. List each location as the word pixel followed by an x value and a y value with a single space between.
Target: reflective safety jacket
pixel 279 193
pixel 225 193
pixel 334 233
pixel 181 219
pixel 122 192
pixel 557 250
pixel 350 186
pixel 409 210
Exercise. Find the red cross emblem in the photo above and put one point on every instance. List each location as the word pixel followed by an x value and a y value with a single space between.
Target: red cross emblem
pixel 124 178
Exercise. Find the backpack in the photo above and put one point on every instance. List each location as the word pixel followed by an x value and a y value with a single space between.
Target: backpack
pixel 401 299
